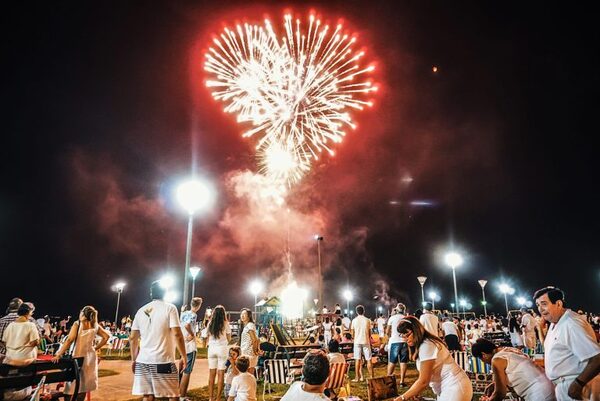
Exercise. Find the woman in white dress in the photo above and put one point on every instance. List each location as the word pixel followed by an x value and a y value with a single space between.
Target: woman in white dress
pixel 512 368
pixel 515 332
pixel 327 330
pixel 435 364
pixel 248 339
pixel 83 333
pixel 219 335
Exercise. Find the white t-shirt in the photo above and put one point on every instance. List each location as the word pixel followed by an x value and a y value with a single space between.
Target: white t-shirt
pixel 445 370
pixel 346 322
pixel 393 322
pixel 297 393
pixel 243 387
pixel 381 325
pixel 189 317
pixel 524 376
pixel 569 345
pixel 449 328
pixel 336 357
pixel 431 323
pixel 360 325
pixel 154 321
pixel 528 322
pixel 16 336
pixel 221 340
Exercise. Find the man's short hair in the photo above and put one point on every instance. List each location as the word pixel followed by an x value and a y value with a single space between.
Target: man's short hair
pixel 333 346
pixel 196 302
pixel 242 363
pixel 360 309
pixel 157 291
pixel 13 305
pixel 554 294
pixel 315 369
pixel 427 306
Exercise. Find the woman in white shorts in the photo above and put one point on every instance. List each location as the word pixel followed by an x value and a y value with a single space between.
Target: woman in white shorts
pixel 435 364
pixel 219 335
pixel 512 368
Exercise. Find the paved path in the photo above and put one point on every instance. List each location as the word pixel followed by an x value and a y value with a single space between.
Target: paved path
pixel 118 387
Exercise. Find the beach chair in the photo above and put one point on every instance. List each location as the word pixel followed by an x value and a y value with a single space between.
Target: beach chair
pixel 338 379
pixel 277 371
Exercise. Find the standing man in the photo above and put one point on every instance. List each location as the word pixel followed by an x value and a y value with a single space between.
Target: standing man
pixel 361 333
pixel 346 322
pixel 429 320
pixel 397 347
pixel 381 326
pixel 189 328
pixel 572 353
pixel 155 333
pixel 450 331
pixel 528 325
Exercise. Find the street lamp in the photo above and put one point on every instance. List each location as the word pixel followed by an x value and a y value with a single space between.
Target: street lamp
pixel 119 289
pixel 193 196
pixel 348 296
pixel 463 303
pixel 482 284
pixel 453 259
pixel 422 280
pixel 319 239
pixel 433 296
pixel 194 270
pixel 166 282
pixel 255 288
pixel 521 301
pixel 506 289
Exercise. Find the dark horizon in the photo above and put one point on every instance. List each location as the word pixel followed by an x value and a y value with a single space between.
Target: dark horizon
pixel 103 101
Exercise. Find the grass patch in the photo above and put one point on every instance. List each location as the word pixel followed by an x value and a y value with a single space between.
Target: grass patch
pixel 126 354
pixel 107 372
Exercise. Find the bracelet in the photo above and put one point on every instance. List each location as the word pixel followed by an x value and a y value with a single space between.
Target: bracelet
pixel 582 384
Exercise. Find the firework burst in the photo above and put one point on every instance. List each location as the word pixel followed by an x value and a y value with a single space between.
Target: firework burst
pixel 297 90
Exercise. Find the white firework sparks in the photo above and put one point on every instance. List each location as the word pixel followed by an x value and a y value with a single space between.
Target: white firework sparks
pixel 297 91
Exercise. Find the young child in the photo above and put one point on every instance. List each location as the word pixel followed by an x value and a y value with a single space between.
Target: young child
pixel 234 353
pixel 243 386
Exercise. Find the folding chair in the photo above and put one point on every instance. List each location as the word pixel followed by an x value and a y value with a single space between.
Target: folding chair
pixel 35 396
pixel 480 375
pixel 338 379
pixel 277 371
pixel 461 358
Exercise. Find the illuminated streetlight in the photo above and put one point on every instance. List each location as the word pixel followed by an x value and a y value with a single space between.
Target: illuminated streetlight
pixel 521 301
pixel 463 303
pixel 194 196
pixel 482 284
pixel 422 280
pixel 506 289
pixel 433 296
pixel 255 288
pixel 119 289
pixel 454 260
pixel 194 270
pixel 348 296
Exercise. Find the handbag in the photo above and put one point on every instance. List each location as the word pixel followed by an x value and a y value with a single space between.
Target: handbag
pixel 381 388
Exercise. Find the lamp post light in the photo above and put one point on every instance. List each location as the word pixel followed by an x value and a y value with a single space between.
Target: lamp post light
pixel 422 280
pixel 453 259
pixel 521 301
pixel 255 288
pixel 506 289
pixel 432 295
pixel 482 284
pixel 193 196
pixel 319 239
pixel 194 270
pixel 348 296
pixel 463 303
pixel 119 289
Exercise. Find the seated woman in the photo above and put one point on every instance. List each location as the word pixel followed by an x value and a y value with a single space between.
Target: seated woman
pixel 435 364
pixel 512 368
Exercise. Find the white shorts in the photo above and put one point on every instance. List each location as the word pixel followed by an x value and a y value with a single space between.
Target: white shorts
pixel 217 356
pixel 362 349
pixel 591 391
pixel 160 380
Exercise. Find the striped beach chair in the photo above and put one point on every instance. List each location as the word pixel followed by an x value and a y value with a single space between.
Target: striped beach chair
pixel 338 379
pixel 277 371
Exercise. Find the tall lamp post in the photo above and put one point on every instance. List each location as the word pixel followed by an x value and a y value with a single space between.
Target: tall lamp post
pixel 348 296
pixel 422 280
pixel 194 270
pixel 506 289
pixel 193 196
pixel 119 288
pixel 482 283
pixel 319 239
pixel 255 288
pixel 453 259
pixel 433 295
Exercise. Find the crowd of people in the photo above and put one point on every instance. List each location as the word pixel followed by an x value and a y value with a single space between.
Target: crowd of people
pixel 567 339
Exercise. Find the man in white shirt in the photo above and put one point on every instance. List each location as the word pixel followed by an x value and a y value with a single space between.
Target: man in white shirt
pixel 346 322
pixel 381 326
pixel 155 333
pixel 429 320
pixel 361 333
pixel 572 355
pixel 528 325
pixel 397 347
pixel 189 328
pixel 315 371
pixel 451 334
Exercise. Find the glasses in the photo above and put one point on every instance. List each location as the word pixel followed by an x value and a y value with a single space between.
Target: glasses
pixel 406 335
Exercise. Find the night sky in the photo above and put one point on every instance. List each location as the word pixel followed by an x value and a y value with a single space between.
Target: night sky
pixel 105 110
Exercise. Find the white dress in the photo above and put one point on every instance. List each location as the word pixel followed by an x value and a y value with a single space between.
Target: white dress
pixel 84 347
pixel 525 377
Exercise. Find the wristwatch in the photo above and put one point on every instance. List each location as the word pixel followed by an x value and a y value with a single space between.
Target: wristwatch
pixel 582 384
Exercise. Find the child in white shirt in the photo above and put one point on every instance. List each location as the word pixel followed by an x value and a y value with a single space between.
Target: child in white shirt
pixel 243 386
